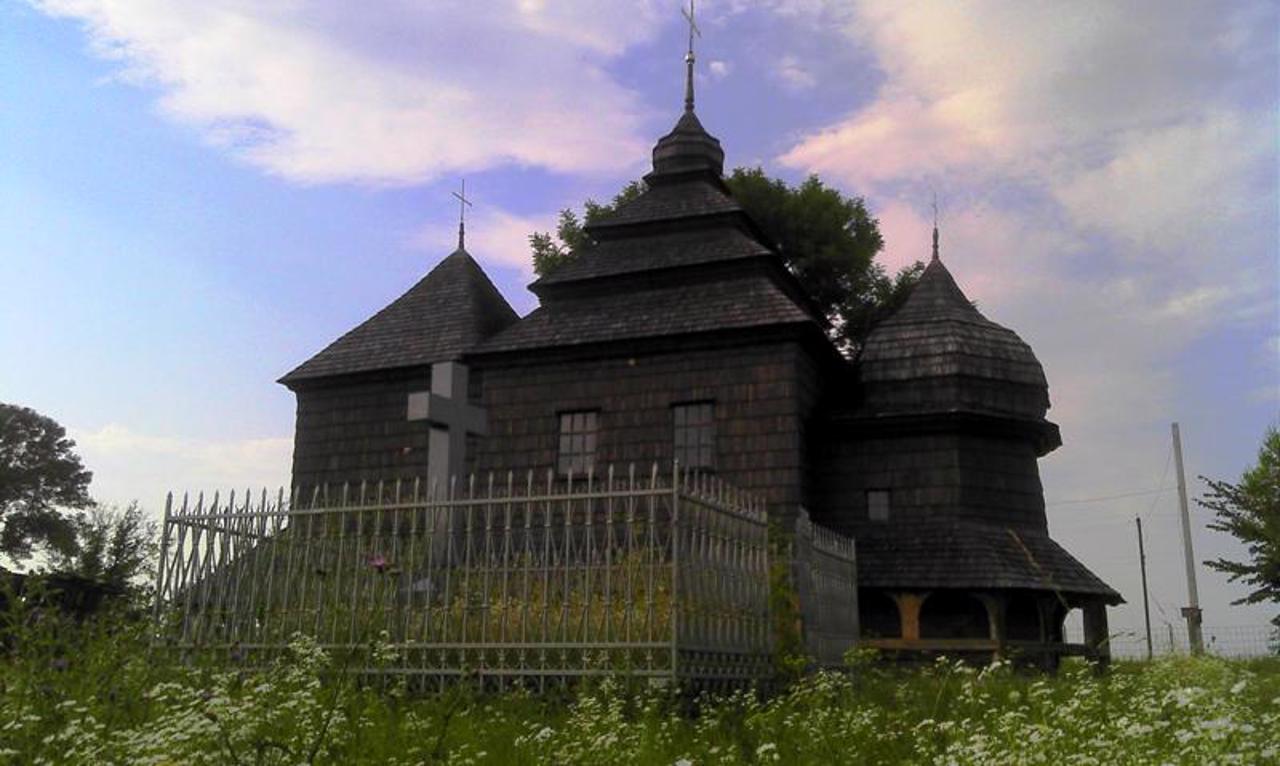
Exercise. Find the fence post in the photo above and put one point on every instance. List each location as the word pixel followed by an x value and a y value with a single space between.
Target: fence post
pixel 675 570
pixel 164 558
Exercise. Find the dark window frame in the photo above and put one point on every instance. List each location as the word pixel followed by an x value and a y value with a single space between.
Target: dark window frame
pixel 578 443
pixel 693 434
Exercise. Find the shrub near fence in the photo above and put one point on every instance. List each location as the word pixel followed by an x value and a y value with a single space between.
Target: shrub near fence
pixel 659 575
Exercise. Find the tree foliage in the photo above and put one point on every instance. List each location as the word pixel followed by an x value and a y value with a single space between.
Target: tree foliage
pixel 40 477
pixel 552 252
pixel 113 546
pixel 1250 510
pixel 829 241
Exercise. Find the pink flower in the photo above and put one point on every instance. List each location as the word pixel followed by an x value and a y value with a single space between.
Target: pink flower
pixel 378 562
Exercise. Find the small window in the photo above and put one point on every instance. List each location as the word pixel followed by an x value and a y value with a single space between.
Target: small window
pixel 878 504
pixel 695 434
pixel 578 432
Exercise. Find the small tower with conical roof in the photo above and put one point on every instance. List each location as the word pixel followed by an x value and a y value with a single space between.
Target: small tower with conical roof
pixel 932 465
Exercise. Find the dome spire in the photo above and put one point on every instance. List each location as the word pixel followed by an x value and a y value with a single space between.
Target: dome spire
pixel 463 204
pixel 689 57
pixel 935 226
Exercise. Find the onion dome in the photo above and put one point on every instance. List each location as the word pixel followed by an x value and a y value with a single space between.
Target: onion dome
pixel 939 354
pixel 687 148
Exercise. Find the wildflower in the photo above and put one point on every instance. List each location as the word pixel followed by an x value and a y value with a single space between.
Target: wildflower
pixel 378 563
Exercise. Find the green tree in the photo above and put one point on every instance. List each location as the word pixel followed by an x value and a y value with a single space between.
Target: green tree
pixel 1250 510
pixel 113 546
pixel 829 241
pixel 40 477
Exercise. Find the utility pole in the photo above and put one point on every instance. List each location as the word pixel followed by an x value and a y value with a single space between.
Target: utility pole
pixel 1146 606
pixel 1192 610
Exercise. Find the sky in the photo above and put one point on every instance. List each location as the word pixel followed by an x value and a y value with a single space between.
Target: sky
pixel 197 196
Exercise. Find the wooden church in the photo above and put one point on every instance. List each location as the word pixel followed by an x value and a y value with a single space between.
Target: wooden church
pixel 679 335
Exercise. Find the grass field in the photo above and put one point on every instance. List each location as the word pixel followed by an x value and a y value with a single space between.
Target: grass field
pixel 94 695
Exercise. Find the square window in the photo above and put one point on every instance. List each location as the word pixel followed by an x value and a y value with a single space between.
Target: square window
pixel 577 442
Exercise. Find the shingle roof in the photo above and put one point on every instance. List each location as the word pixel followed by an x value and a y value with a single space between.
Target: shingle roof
pixel 939 334
pixel 960 555
pixel 688 198
pixel 450 310
pixel 688 248
pixel 747 301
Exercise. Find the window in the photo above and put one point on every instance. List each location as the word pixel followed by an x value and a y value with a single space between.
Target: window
pixel 578 442
pixel 878 504
pixel 695 434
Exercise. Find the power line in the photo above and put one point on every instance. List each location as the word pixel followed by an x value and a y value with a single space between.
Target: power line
pixel 1160 489
pixel 1168 457
pixel 1109 497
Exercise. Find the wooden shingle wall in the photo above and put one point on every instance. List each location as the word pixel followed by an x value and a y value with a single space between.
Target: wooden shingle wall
pixel 357 430
pixel 760 394
pixel 931 476
pixel 946 393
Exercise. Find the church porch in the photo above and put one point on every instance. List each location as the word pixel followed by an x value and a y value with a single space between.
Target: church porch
pixel 1024 626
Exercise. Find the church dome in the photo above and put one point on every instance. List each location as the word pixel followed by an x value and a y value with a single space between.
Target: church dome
pixel 687 148
pixel 939 354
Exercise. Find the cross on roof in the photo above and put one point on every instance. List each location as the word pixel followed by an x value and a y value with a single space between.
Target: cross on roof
pixel 693 25
pixel 463 204
pixel 688 57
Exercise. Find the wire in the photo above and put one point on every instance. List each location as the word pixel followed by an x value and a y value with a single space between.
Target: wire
pixel 1160 489
pixel 1109 497
pixel 1168 456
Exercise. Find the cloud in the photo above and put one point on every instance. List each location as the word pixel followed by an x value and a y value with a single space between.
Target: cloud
pixel 1141 135
pixel 793 74
pixel 391 93
pixel 719 69
pixel 1011 91
pixel 129 465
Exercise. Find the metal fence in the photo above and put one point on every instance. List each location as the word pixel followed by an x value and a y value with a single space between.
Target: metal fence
pixel 824 569
pixel 1236 641
pixel 659 574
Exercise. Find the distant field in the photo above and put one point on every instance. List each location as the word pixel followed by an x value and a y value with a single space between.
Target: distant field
pixel 93 696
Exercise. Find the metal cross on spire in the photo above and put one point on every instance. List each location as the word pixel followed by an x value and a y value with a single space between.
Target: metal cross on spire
pixel 688 57
pixel 463 204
